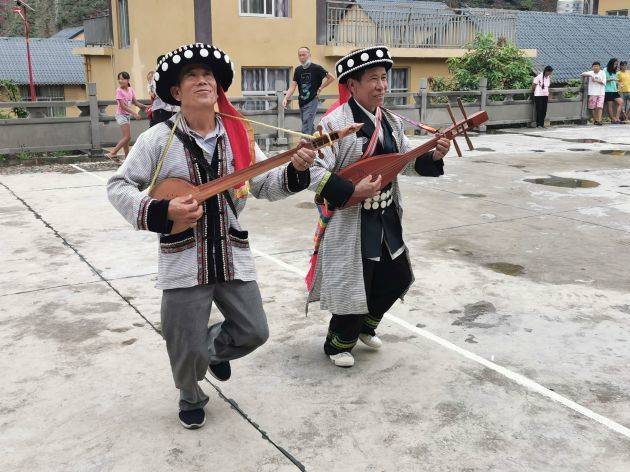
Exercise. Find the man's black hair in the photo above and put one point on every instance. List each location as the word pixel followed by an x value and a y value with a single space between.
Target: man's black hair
pixel 357 75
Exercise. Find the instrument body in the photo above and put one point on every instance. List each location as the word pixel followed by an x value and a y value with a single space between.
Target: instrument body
pixel 388 166
pixel 171 188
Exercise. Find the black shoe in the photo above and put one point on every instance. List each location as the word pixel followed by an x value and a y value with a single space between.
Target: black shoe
pixel 220 371
pixel 192 419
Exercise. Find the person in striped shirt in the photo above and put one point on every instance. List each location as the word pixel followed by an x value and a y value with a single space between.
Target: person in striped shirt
pixel 211 261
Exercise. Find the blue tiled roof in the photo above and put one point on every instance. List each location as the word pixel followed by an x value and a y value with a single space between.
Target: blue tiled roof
pixel 68 33
pixel 53 61
pixel 383 11
pixel 570 42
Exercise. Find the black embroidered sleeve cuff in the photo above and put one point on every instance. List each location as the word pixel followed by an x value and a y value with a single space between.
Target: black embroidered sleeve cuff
pixel 296 180
pixel 427 167
pixel 336 191
pixel 157 217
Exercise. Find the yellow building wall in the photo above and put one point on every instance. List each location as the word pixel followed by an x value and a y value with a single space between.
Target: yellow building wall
pixel 606 5
pixel 99 70
pixel 266 42
pixel 273 42
pixel 158 26
pixel 74 93
pixel 155 27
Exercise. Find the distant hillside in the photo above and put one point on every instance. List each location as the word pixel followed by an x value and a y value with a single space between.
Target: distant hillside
pixel 49 16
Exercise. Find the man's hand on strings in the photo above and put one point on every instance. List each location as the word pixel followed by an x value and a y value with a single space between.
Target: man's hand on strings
pixel 185 210
pixel 441 150
pixel 367 188
pixel 303 158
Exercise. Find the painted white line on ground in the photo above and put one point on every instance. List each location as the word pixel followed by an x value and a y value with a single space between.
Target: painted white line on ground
pixel 513 376
pixel 88 172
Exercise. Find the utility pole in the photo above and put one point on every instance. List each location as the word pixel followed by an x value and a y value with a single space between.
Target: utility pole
pixel 21 9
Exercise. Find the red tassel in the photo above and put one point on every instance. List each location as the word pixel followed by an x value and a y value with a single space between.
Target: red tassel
pixel 344 96
pixel 237 134
pixel 310 276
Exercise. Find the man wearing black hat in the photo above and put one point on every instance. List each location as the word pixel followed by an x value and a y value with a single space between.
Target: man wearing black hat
pixel 361 264
pixel 211 261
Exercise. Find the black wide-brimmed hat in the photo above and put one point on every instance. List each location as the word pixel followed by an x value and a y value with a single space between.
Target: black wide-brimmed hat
pixel 171 65
pixel 363 59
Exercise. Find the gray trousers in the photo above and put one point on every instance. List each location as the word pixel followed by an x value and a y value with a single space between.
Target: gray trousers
pixel 192 345
pixel 307 113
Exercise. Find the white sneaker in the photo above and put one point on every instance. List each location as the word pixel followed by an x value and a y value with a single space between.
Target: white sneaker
pixel 343 359
pixel 372 341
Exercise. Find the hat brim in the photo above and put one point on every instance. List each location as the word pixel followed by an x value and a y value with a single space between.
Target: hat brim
pixel 170 67
pixel 362 59
pixel 386 63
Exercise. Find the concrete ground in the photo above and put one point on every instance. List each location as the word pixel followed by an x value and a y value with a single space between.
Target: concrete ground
pixel 510 352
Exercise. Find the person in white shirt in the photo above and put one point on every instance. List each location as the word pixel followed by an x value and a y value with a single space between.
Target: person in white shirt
pixel 596 91
pixel 540 87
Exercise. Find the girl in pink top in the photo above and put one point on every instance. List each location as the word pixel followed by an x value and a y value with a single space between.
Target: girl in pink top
pixel 540 87
pixel 125 96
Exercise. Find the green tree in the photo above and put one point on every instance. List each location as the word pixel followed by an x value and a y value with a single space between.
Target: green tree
pixel 501 62
pixel 49 16
pixel 9 90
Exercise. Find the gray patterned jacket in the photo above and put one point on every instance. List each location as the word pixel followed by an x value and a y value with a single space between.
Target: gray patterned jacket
pixel 339 284
pixel 179 259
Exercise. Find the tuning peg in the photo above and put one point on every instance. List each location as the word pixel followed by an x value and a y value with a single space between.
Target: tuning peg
pixel 463 110
pixel 450 112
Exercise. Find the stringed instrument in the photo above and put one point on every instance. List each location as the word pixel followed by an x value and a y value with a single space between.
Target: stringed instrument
pixel 168 189
pixel 388 166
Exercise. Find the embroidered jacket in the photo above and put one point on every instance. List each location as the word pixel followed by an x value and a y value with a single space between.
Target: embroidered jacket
pixel 217 248
pixel 339 281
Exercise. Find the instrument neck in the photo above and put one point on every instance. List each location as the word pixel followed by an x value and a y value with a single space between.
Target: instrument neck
pixel 212 188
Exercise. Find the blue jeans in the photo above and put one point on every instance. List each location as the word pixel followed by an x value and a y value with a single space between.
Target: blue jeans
pixel 307 112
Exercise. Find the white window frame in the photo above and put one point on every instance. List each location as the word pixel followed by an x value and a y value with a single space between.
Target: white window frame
pixel 263 93
pixel 123 25
pixel 389 79
pixel 47 93
pixel 264 15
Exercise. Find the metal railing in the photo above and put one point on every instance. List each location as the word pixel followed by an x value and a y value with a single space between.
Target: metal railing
pixel 98 30
pixel 96 128
pixel 409 25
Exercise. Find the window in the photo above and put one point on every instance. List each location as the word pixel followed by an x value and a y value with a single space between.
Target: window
pixel 123 24
pixel 277 8
pixel 261 81
pixel 397 81
pixel 46 93
pixel 617 12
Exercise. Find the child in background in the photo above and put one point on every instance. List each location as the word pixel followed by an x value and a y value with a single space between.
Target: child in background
pixel 612 96
pixel 623 87
pixel 125 96
pixel 596 91
pixel 540 86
